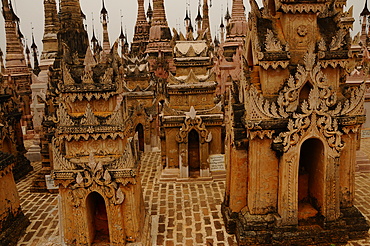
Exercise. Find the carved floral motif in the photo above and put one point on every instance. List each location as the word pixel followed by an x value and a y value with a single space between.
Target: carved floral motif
pixel 192 121
pixel 321 108
pixel 95 172
pixel 272 43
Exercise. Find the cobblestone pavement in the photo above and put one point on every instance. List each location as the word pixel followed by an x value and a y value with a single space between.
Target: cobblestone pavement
pixel 42 211
pixel 182 213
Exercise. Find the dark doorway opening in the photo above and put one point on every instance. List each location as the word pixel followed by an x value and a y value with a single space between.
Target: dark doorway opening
pixel 140 130
pixel 193 154
pixel 97 219
pixel 311 179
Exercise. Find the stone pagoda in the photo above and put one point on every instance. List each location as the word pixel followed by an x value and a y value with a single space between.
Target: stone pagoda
pixel 94 152
pixel 39 90
pixel 361 70
pixel 13 223
pixel 228 65
pixel 141 34
pixel 293 129
pixel 16 63
pixel 140 86
pixel 191 116
pixel 17 77
pixel 159 49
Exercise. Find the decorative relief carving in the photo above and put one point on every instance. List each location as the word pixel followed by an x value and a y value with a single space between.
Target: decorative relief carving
pixel 59 161
pixel 89 118
pixel 338 40
pixel 320 108
pixel 302 30
pixel 303 8
pixel 95 173
pixel 192 121
pixel 272 43
pixel 63 117
pixel 261 134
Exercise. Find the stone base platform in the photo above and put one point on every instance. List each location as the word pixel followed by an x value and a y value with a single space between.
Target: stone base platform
pixel 173 175
pixel 265 229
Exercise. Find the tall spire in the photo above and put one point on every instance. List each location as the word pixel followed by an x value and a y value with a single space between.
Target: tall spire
pixel 222 29
pixel 94 41
pixel 159 48
pixel 237 26
pixel 104 20
pixel 227 15
pixel 238 10
pixel 123 39
pixel 14 48
pixel 205 23
pixel 36 68
pixel 365 14
pixel 199 19
pixel 72 31
pixel 51 28
pixel 149 14
pixel 159 31
pixel 159 13
pixel 141 35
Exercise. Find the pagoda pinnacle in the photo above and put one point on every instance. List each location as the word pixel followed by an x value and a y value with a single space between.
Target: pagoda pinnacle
pixel 141 35
pixel 205 23
pixel 36 68
pixel 159 13
pixel 51 24
pixel 227 15
pixel 159 31
pixel 199 20
pixel 72 31
pixel 365 11
pixel 364 17
pixel 14 48
pixel 104 20
pixel 149 14
pixel 237 13
pixel 237 26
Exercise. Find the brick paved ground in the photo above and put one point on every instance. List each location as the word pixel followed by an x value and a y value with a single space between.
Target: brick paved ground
pixel 182 213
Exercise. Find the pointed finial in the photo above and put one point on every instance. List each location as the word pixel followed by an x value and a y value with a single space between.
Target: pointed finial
pixel 365 11
pixel 33 45
pixel 121 36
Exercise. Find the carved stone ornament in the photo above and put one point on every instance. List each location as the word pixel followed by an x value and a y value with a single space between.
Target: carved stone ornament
pixel 95 173
pixel 302 30
pixel 63 116
pixel 192 121
pixel 319 110
pixel 272 43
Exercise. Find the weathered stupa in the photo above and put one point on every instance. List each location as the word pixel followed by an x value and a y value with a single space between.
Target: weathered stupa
pixel 293 129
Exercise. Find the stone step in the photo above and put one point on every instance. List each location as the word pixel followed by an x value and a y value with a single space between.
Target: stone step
pixel 169 175
pixel 195 180
pixel 219 175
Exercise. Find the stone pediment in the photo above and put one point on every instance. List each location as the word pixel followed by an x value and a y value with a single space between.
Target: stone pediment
pixel 138 68
pixel 216 110
pixel 191 49
pixel 138 88
pixel 191 78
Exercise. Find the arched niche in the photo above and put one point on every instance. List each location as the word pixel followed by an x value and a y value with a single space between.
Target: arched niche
pixel 97 219
pixel 311 179
pixel 140 131
pixel 194 153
